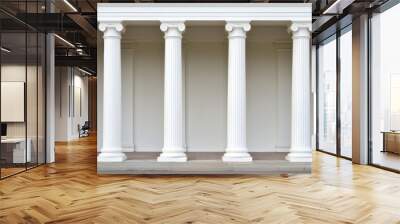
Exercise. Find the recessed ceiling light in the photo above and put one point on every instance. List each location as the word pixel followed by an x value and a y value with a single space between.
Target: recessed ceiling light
pixel 70 5
pixel 5 50
pixel 84 71
pixel 64 40
pixel 338 6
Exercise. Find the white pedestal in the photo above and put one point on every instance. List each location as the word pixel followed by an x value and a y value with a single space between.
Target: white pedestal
pixel 111 157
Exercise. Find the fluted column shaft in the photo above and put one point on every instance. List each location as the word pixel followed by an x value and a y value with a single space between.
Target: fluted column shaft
pixel 173 150
pixel 300 150
pixel 112 142
pixel 236 149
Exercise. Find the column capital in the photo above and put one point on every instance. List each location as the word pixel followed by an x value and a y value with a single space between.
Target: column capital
pixel 300 29
pixel 237 28
pixel 111 29
pixel 172 28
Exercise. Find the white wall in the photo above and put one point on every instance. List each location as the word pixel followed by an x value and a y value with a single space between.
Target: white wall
pixel 205 56
pixel 62 81
pixel 284 95
pixel 148 96
pixel 206 94
pixel 81 109
pixel 128 105
pixel 69 112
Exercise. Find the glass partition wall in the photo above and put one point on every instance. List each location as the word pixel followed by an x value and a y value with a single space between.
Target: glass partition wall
pixel 22 88
pixel 334 90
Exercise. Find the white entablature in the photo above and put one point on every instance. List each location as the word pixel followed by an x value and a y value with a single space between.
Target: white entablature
pixel 294 12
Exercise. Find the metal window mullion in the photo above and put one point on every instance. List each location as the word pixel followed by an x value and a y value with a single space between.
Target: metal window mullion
pixel 0 96
pixel 26 88
pixel 338 96
pixel 369 91
pixel 317 96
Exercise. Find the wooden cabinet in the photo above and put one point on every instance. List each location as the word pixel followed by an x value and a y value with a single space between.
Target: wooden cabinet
pixel 391 142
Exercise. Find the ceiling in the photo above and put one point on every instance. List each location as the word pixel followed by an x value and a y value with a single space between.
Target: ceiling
pixel 75 21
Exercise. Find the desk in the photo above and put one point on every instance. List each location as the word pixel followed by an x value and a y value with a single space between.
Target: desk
pixel 18 149
pixel 391 141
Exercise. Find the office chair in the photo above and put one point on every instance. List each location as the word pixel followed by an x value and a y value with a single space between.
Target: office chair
pixel 84 130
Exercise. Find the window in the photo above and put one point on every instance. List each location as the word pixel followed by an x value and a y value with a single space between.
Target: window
pixel 327 96
pixel 335 94
pixel 346 95
pixel 385 89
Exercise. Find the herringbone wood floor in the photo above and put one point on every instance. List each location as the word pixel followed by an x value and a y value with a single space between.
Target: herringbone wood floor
pixel 70 191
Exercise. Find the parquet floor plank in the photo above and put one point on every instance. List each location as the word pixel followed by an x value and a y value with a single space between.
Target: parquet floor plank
pixel 70 191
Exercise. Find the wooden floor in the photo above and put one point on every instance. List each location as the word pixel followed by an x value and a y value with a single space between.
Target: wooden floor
pixel 386 159
pixel 70 191
pixel 5 172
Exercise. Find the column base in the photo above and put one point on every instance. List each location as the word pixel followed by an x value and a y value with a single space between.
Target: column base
pixel 111 157
pixel 241 157
pixel 299 157
pixel 172 157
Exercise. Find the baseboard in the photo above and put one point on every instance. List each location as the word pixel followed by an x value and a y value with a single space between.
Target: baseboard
pixel 126 149
pixel 270 150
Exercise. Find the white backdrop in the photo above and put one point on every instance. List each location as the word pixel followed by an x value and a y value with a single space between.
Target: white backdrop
pixel 205 56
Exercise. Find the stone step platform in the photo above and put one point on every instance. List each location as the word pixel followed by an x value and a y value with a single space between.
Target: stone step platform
pixel 264 163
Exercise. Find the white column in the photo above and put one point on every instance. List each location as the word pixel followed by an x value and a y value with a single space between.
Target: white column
pixel 50 98
pixel 112 148
pixel 236 149
pixel 300 150
pixel 173 150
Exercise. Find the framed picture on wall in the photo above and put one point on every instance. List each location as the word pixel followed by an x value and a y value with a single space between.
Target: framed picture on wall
pixel 12 101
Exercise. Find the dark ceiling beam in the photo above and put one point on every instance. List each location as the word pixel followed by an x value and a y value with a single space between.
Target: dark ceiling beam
pixel 16 18
pixel 79 19
pixel 79 61
pixel 91 5
pixel 322 23
pixel 49 22
pixel 84 24
pixel 86 51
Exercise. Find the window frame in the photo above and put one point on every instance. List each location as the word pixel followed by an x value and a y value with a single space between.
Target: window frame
pixel 336 36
